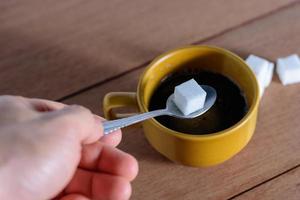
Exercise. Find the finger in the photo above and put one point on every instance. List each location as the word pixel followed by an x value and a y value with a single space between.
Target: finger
pixel 117 162
pixel 74 197
pixel 98 186
pixel 112 139
pixel 42 105
pixel 74 121
pixel 108 159
pixel 107 186
pixel 16 109
pixel 89 156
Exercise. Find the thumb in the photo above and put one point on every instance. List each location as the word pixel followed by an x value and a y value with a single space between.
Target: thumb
pixel 74 121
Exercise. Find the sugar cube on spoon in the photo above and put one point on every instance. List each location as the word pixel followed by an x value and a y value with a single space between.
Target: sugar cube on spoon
pixel 189 97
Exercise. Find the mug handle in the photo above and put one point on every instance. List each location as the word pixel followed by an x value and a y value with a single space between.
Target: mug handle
pixel 116 100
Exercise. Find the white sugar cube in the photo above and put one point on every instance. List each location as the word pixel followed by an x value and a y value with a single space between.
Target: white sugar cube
pixel 288 69
pixel 189 97
pixel 260 68
pixel 269 75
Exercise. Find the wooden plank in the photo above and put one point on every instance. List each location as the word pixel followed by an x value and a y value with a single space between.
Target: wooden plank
pixel 50 49
pixel 286 186
pixel 274 148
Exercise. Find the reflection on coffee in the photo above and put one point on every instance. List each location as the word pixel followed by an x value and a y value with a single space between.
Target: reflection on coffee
pixel 230 106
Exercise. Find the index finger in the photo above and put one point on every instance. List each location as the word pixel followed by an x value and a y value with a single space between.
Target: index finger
pixel 43 105
pixel 74 121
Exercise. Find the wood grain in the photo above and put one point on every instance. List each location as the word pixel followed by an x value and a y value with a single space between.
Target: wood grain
pixel 274 148
pixel 50 49
pixel 286 186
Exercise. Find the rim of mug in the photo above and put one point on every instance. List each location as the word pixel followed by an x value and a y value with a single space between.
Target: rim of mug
pixel 209 136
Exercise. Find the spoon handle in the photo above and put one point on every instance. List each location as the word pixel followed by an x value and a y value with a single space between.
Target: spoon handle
pixel 113 125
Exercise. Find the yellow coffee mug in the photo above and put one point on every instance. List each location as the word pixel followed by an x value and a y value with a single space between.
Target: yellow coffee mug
pixel 187 149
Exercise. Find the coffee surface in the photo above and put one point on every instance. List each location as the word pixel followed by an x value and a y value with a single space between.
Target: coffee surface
pixel 229 108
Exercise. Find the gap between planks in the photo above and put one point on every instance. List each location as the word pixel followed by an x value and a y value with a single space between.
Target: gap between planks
pixel 267 180
pixel 272 12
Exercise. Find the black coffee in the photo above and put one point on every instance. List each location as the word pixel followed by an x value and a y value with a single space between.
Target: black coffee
pixel 229 108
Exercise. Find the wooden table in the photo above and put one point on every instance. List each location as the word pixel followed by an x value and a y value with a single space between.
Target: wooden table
pixel 77 51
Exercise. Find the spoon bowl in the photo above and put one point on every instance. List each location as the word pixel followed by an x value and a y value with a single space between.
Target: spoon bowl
pixel 211 96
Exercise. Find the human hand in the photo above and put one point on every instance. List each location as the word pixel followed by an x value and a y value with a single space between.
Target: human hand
pixel 51 150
